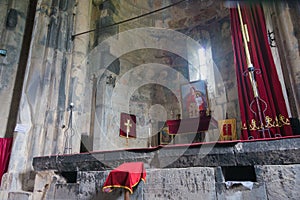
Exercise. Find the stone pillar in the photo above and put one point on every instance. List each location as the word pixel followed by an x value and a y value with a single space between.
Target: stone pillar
pixel 288 47
pixel 79 92
pixel 270 28
pixel 13 18
pixel 45 90
pixel 45 182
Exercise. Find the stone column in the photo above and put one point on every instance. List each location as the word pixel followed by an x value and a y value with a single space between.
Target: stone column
pixel 45 90
pixel 270 28
pixel 14 15
pixel 288 47
pixel 79 90
pixel 13 19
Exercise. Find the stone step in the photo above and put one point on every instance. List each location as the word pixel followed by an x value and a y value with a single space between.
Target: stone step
pixel 18 195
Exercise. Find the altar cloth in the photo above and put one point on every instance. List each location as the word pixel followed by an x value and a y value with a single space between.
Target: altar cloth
pixel 191 125
pixel 126 176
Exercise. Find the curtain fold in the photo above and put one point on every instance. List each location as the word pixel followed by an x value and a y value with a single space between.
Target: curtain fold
pixel 5 150
pixel 270 102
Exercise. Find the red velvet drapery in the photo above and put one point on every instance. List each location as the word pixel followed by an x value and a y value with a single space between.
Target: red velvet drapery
pixel 275 117
pixel 5 150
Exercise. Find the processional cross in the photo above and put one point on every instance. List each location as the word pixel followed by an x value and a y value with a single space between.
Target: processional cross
pixel 260 103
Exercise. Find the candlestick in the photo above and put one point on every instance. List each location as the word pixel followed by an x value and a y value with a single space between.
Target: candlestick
pixel 149 135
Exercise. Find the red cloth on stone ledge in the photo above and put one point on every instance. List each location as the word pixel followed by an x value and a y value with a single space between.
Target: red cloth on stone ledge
pixel 125 176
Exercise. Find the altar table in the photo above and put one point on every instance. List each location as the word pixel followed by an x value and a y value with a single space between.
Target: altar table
pixel 190 125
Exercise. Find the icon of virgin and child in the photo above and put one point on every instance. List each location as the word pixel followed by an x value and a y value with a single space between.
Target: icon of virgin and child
pixel 195 102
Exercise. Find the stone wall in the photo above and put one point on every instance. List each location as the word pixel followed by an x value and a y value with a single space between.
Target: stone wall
pixel 272 182
pixel 285 28
pixel 152 102
pixel 248 170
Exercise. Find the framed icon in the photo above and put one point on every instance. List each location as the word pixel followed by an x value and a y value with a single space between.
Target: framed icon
pixel 164 136
pixel 227 129
pixel 194 99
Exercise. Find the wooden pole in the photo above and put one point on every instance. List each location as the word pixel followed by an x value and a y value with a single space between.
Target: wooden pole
pixel 126 194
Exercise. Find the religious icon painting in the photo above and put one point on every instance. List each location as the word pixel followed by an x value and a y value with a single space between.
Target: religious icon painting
pixel 194 99
pixel 164 136
pixel 227 129
pixel 128 125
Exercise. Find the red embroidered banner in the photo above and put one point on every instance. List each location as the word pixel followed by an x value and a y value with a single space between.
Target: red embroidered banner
pixel 127 176
pixel 128 125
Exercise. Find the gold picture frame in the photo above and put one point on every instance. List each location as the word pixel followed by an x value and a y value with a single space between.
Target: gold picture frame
pixel 164 136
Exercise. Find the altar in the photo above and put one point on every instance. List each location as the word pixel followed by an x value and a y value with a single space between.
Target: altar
pixel 190 125
pixel 194 128
pixel 179 162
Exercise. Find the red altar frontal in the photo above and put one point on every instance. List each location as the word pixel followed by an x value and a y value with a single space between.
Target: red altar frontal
pixel 190 125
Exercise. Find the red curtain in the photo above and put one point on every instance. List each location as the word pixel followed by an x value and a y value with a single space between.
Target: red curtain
pixel 5 150
pixel 275 117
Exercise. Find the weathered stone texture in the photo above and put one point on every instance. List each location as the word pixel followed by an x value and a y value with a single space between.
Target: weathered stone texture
pixel 282 181
pixel 19 196
pixel 3 13
pixel 91 183
pixel 186 177
pixel 11 40
pixel 239 192
pixel 188 183
pixel 287 41
pixel 268 152
pixel 66 191
pixel 276 152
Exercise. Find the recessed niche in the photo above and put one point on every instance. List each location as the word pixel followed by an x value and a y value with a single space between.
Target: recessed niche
pixel 239 173
pixel 71 177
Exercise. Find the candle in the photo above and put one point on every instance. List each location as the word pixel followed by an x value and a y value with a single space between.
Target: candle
pixel 149 136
